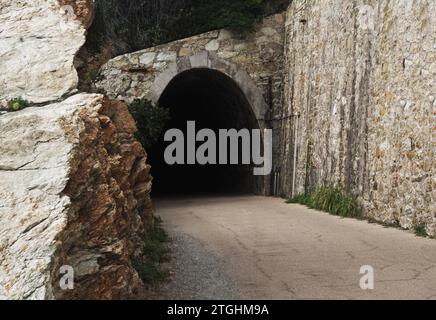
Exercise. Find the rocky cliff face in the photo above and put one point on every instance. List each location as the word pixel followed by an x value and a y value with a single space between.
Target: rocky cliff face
pixel 362 75
pixel 74 183
pixel 40 39
pixel 75 191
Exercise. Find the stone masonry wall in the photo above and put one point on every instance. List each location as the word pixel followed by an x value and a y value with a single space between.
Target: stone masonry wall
pixel 362 76
pixel 255 57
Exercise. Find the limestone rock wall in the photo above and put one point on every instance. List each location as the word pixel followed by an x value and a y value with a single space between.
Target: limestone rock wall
pixel 362 76
pixel 38 42
pixel 74 182
pixel 74 191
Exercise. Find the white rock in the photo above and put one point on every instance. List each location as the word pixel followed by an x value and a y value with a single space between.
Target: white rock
pixel 167 56
pixel 213 45
pixel 38 45
pixel 147 59
pixel 34 165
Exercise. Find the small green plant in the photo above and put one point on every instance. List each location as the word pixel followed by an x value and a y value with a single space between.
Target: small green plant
pixel 156 252
pixel 18 104
pixel 150 119
pixel 331 200
pixel 420 230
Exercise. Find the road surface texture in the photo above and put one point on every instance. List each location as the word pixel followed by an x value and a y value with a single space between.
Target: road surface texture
pixel 248 247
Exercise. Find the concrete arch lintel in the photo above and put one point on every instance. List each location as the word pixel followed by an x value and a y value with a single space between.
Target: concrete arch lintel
pixel 207 59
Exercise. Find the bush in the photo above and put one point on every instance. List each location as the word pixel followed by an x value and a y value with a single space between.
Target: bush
pixel 132 25
pixel 150 120
pixel 331 200
pixel 237 15
pixel 155 253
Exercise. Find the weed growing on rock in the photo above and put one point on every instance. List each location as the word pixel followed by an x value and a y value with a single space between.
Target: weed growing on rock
pixel 18 104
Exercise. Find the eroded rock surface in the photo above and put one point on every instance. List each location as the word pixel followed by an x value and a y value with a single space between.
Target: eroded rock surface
pixel 74 191
pixel 39 40
pixel 83 10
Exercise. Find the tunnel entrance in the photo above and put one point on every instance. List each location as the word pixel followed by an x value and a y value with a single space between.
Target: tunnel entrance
pixel 214 101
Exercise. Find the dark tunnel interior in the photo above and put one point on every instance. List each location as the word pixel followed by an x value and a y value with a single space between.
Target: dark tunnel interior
pixel 214 101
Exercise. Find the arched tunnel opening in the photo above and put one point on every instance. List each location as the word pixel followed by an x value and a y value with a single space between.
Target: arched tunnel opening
pixel 214 101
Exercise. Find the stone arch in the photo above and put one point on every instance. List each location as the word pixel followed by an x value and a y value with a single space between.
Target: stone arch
pixel 209 60
pixel 214 101
pixel 148 73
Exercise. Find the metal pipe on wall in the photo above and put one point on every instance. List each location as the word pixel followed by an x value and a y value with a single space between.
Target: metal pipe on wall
pixel 294 173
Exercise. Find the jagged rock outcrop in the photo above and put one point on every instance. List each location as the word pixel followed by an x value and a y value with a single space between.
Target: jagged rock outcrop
pixel 40 39
pixel 74 191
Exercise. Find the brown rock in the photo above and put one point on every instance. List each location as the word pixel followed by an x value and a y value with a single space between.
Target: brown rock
pixel 75 190
pixel 83 9
pixel 115 193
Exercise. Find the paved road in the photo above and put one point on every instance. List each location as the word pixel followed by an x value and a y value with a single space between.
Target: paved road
pixel 272 250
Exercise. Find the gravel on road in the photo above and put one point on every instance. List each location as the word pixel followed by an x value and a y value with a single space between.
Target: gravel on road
pixel 196 273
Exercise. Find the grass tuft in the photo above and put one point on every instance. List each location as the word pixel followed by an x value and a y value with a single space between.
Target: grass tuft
pixel 335 202
pixel 331 200
pixel 301 198
pixel 420 230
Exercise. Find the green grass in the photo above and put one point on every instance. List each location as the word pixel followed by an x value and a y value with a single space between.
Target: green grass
pixel 331 200
pixel 156 252
pixel 301 198
pixel 334 201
